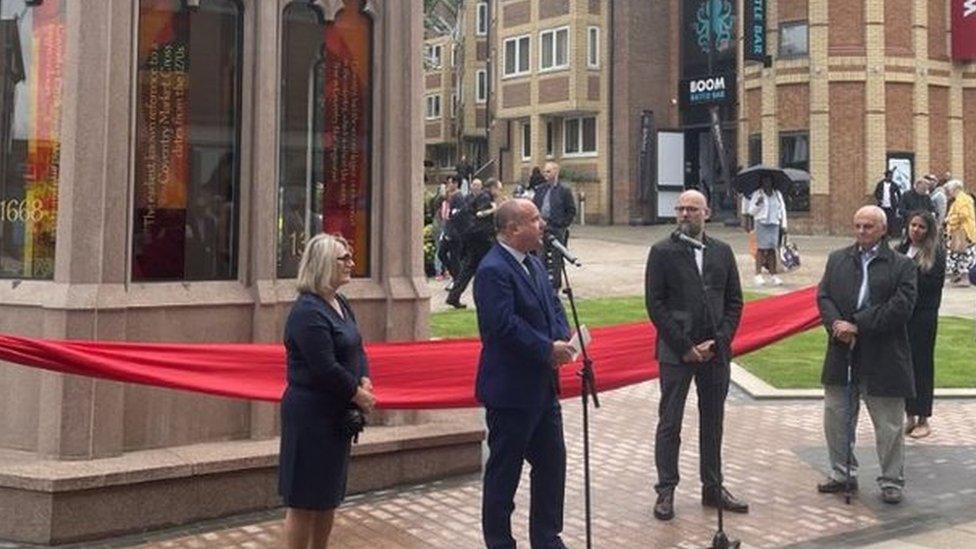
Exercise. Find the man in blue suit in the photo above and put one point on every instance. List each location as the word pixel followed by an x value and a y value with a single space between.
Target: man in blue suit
pixel 523 336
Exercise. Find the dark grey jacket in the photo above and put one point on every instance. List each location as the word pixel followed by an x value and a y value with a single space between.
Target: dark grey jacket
pixel 673 297
pixel 882 357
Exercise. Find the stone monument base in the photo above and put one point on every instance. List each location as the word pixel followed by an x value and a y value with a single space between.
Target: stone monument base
pixel 49 501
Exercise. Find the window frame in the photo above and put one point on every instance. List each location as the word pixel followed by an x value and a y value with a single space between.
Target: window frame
pixel 579 136
pixel 782 136
pixel 550 139
pixel 554 32
pixel 784 25
pixel 432 100
pixel 526 141
pixel 481 86
pixel 481 19
pixel 593 47
pixel 436 61
pixel 454 105
pixel 517 41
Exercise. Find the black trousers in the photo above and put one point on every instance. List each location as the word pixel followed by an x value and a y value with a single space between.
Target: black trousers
pixel 922 329
pixel 712 384
pixel 474 251
pixel 894 225
pixel 517 435
pixel 553 259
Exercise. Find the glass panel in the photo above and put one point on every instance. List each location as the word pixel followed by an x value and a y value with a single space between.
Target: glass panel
pixel 755 149
pixel 510 57
pixel 326 125
pixel 31 75
pixel 550 138
pixel 187 131
pixel 546 51
pixel 795 153
pixel 594 52
pixel 526 140
pixel 571 136
pixel 562 39
pixel 793 39
pixel 523 64
pixel 589 134
pixel 482 86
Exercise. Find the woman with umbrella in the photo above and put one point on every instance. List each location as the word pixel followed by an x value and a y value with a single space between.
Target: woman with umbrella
pixel 768 209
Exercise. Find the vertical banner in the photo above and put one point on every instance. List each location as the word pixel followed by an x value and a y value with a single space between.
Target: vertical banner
pixel 754 30
pixel 162 142
pixel 963 30
pixel 347 128
pixel 40 204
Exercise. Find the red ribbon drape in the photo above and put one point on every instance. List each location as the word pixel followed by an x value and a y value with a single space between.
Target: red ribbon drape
pixel 420 374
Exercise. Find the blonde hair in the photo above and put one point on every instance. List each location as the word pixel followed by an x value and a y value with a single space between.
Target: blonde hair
pixel 318 266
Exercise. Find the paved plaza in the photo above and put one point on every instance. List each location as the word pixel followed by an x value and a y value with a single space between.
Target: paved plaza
pixel 774 456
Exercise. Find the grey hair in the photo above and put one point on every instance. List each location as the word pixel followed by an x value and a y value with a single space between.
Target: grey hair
pixel 317 269
pixel 953 185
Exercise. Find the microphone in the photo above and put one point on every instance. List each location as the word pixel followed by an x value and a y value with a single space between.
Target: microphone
pixel 558 246
pixel 689 240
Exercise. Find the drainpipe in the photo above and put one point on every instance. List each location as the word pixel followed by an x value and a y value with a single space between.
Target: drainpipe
pixel 611 36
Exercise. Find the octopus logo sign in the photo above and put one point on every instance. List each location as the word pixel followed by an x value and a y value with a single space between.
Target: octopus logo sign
pixel 714 18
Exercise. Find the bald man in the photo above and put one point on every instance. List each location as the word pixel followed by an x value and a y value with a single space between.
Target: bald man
pixel 866 298
pixel 694 336
pixel 558 209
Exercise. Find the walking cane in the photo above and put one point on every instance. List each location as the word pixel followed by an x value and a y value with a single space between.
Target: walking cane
pixel 851 426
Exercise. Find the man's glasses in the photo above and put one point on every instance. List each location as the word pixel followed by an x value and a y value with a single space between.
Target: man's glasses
pixel 689 209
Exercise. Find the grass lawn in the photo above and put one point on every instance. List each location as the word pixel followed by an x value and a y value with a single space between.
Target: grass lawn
pixel 796 362
pixel 793 363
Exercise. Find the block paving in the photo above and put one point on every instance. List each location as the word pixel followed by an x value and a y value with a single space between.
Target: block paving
pixel 774 455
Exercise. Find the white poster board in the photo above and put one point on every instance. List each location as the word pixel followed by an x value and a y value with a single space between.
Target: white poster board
pixel 670 171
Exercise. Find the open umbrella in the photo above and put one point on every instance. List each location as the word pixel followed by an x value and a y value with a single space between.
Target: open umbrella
pixel 749 179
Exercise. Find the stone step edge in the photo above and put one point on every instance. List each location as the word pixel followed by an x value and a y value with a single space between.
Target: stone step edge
pixel 758 389
pixel 52 476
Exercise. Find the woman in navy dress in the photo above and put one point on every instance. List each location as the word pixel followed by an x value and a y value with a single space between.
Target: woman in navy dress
pixel 327 376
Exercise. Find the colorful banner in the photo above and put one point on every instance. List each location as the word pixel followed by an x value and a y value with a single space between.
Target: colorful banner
pixel 162 146
pixel 347 129
pixel 40 205
pixel 964 30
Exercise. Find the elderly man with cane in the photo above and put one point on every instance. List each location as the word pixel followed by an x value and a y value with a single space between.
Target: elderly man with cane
pixel 866 298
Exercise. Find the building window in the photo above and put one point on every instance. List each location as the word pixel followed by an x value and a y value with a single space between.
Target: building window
pixel 794 152
pixel 325 149
pixel 434 56
pixel 593 47
pixel 433 107
pixel 517 55
pixel 185 219
pixel 454 49
pixel 454 105
pixel 793 39
pixel 481 19
pixel 550 139
pixel 554 49
pixel 579 136
pixel 526 141
pixel 31 72
pixel 481 91
pixel 755 149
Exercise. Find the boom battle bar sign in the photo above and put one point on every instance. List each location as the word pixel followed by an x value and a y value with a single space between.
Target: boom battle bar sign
pixel 347 129
pixel 718 89
pixel 964 30
pixel 754 30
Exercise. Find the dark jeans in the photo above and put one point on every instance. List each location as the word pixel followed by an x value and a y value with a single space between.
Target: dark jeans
pixel 894 225
pixel 516 435
pixel 712 384
pixel 474 251
pixel 922 329
pixel 553 259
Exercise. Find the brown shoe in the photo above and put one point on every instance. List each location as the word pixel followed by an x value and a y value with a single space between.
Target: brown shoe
pixel 729 502
pixel 921 430
pixel 664 508
pixel 910 425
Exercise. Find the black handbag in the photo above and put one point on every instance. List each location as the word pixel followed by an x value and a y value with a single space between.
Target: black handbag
pixel 352 423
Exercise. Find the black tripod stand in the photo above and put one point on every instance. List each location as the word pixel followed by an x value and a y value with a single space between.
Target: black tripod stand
pixel 588 385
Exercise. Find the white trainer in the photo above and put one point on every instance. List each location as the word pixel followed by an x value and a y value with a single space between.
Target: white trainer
pixel 777 281
pixel 759 280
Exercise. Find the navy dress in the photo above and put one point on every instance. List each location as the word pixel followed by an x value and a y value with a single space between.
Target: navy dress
pixel 326 362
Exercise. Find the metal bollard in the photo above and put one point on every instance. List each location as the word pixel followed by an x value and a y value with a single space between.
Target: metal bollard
pixel 582 208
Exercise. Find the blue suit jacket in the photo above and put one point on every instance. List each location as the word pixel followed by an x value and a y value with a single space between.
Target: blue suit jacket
pixel 518 321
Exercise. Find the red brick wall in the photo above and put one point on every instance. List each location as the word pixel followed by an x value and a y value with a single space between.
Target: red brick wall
pixel 793 107
pixel 848 181
pixel 898 27
pixel 938 129
pixel 899 125
pixel 792 10
pixel 845 33
pixel 754 110
pixel 938 43
pixel 969 144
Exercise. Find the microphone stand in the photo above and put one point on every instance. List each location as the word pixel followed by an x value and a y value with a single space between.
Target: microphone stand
pixel 720 540
pixel 588 385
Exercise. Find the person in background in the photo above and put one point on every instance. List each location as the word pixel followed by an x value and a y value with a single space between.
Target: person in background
pixel 479 236
pixel 558 208
pixel 923 245
pixel 916 200
pixel 768 209
pixel 328 391
pixel 887 196
pixel 940 202
pixel 960 232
